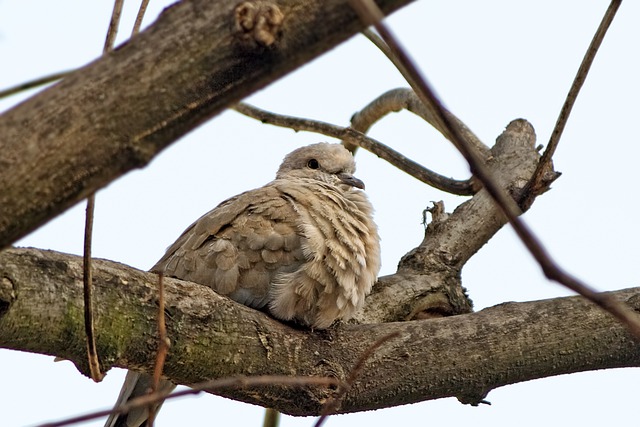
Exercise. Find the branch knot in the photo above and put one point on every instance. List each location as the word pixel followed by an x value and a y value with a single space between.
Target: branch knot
pixel 259 21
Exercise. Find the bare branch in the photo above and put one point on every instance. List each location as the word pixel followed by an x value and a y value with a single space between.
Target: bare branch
pixel 535 185
pixel 176 74
pixel 463 188
pixel 139 17
pixel 92 353
pixel 206 330
pixel 370 13
pixel 87 282
pixel 112 32
pixel 5 93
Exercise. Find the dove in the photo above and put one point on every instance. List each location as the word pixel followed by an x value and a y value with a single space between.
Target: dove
pixel 304 248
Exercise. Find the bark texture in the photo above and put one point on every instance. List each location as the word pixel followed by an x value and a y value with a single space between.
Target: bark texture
pixel 212 337
pixel 116 113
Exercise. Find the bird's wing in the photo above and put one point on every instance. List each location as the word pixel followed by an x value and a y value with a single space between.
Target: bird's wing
pixel 239 247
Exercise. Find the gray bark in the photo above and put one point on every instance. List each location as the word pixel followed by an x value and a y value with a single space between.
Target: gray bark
pixel 212 337
pixel 116 113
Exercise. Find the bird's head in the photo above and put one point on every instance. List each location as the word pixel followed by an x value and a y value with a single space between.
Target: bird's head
pixel 330 163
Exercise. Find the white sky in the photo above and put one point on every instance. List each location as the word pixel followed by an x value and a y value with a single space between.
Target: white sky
pixel 491 61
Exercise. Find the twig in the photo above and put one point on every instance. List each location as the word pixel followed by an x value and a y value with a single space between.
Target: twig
pixel 112 32
pixel 92 352
pixel 371 14
pixel 139 17
pixel 213 385
pixel 163 347
pixel 463 188
pixel 565 112
pixel 87 283
pixel 408 100
pixel 332 403
pixel 5 93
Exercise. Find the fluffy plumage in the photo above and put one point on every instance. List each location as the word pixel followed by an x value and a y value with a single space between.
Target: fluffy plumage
pixel 304 247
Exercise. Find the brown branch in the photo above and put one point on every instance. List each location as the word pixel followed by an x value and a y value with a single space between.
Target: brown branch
pixel 87 282
pixel 463 356
pixel 40 81
pixel 92 353
pixel 173 76
pixel 370 13
pixel 57 76
pixel 534 186
pixel 114 23
pixel 139 17
pixel 386 153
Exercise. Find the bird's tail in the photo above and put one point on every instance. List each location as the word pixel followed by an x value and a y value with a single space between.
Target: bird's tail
pixel 136 385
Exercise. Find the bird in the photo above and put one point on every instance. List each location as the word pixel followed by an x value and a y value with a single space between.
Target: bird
pixel 304 248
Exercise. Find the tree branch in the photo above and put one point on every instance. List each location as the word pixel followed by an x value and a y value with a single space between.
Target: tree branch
pixel 572 96
pixel 118 112
pixel 355 138
pixel 463 356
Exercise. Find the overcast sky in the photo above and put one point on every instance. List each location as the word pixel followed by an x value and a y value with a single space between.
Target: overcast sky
pixel 491 62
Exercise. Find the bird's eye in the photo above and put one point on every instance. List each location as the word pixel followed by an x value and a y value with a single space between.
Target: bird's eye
pixel 313 164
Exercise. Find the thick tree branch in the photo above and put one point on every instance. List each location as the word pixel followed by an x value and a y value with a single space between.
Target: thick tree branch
pixel 213 337
pixel 118 112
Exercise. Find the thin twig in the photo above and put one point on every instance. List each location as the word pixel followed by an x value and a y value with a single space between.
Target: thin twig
pixel 5 93
pixel 463 188
pixel 332 403
pixel 163 348
pixel 112 32
pixel 371 14
pixel 209 386
pixel 92 352
pixel 565 112
pixel 139 17
pixel 87 283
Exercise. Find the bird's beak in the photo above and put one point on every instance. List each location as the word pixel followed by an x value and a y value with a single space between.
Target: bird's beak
pixel 351 180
